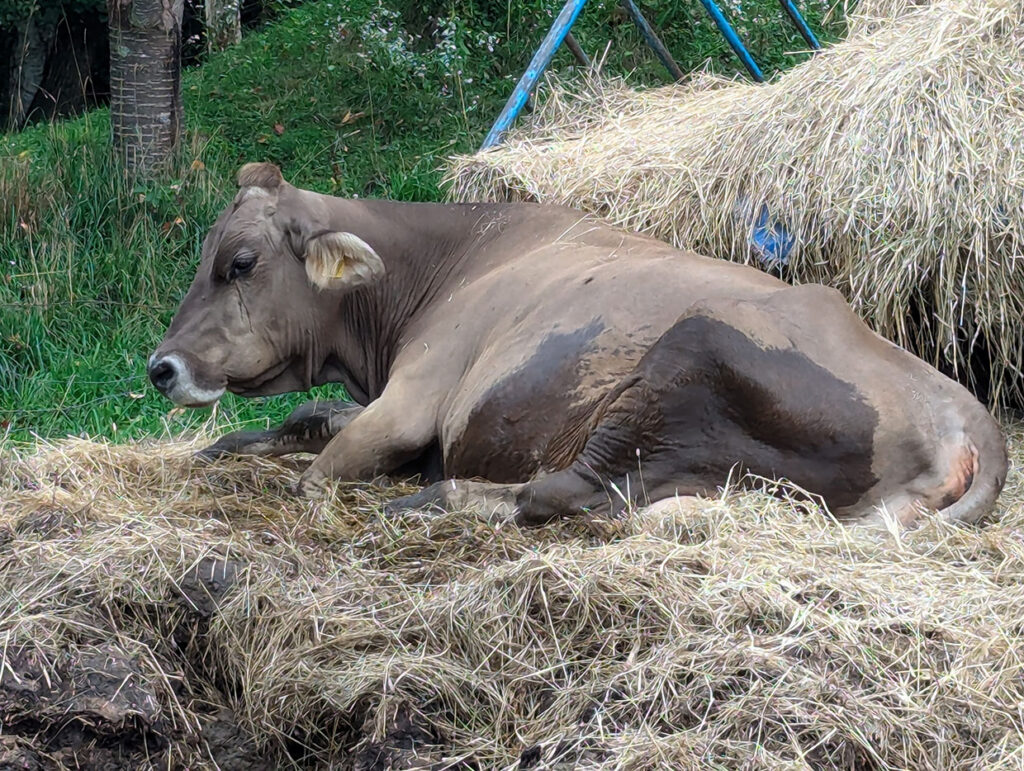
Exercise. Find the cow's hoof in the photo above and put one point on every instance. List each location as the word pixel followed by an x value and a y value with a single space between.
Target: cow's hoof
pixel 238 443
pixel 210 454
pixel 312 484
pixel 426 498
pixel 530 519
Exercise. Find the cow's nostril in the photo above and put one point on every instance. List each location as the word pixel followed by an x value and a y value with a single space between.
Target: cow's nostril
pixel 162 374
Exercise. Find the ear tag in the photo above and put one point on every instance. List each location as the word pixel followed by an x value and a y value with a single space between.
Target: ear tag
pixel 339 269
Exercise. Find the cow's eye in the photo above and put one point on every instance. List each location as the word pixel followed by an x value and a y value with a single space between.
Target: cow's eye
pixel 242 265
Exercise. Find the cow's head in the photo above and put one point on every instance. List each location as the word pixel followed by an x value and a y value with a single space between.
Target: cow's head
pixel 269 278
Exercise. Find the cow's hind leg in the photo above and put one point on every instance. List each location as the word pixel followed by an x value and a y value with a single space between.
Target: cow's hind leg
pixel 307 429
pixel 625 460
pixel 564 493
pixel 531 503
pixel 493 501
pixel 721 394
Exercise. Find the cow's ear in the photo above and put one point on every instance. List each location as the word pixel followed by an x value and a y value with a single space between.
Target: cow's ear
pixel 341 261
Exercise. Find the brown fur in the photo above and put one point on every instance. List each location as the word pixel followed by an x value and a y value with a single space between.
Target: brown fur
pixel 265 175
pixel 586 367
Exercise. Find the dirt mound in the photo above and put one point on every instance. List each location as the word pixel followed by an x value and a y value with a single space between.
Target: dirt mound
pixel 156 611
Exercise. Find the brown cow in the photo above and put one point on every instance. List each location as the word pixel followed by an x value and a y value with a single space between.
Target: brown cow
pixel 568 364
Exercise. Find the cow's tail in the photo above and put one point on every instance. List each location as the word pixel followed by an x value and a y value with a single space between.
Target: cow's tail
pixel 983 439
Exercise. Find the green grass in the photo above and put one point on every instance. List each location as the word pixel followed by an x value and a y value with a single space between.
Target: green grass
pixel 356 98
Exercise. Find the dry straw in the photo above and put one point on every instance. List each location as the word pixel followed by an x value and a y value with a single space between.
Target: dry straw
pixel 184 615
pixel 895 159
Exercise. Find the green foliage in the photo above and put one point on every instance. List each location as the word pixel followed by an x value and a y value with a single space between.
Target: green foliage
pixel 362 97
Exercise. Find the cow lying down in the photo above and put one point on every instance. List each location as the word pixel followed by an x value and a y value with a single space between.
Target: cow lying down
pixel 563 364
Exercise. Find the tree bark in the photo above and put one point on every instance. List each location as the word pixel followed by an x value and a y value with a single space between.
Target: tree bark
pixel 223 24
pixel 145 81
pixel 28 69
pixel 76 76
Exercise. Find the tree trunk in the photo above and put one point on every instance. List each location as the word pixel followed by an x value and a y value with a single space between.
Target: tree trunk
pixel 223 24
pixel 145 81
pixel 76 69
pixel 28 69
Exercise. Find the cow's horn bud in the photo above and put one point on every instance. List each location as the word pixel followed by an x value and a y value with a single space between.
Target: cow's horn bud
pixel 265 175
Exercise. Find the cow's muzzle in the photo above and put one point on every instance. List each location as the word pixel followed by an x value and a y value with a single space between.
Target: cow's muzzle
pixel 173 377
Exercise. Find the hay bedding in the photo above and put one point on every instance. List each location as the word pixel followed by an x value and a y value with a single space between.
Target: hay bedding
pixel 159 613
pixel 894 160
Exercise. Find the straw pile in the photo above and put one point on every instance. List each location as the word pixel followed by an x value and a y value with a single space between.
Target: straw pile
pixel 867 16
pixel 895 160
pixel 156 612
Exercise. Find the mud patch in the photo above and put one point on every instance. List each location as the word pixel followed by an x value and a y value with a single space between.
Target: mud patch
pixel 205 585
pixel 92 707
pixel 410 742
pixel 16 754
pixel 102 707
pixel 47 523
pixel 230 747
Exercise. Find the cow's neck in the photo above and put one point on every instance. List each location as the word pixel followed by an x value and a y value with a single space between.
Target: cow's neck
pixel 422 247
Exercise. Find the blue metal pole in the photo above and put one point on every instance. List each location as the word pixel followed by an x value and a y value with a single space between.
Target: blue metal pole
pixel 801 25
pixel 541 59
pixel 733 40
pixel 652 39
pixel 577 51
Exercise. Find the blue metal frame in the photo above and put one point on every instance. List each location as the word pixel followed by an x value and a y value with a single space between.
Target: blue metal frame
pixel 560 30
pixel 538 64
pixel 733 39
pixel 579 53
pixel 653 40
pixel 801 25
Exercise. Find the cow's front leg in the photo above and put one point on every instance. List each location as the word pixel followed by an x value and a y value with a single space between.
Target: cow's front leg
pixel 389 433
pixel 308 428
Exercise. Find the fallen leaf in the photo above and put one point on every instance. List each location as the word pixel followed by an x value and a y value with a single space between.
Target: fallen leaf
pixel 166 227
pixel 278 129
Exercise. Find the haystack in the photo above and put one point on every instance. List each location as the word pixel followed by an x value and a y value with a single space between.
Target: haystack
pixel 155 612
pixel 890 166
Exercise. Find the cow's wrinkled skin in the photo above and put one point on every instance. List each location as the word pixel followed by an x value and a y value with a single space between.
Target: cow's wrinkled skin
pixel 568 365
